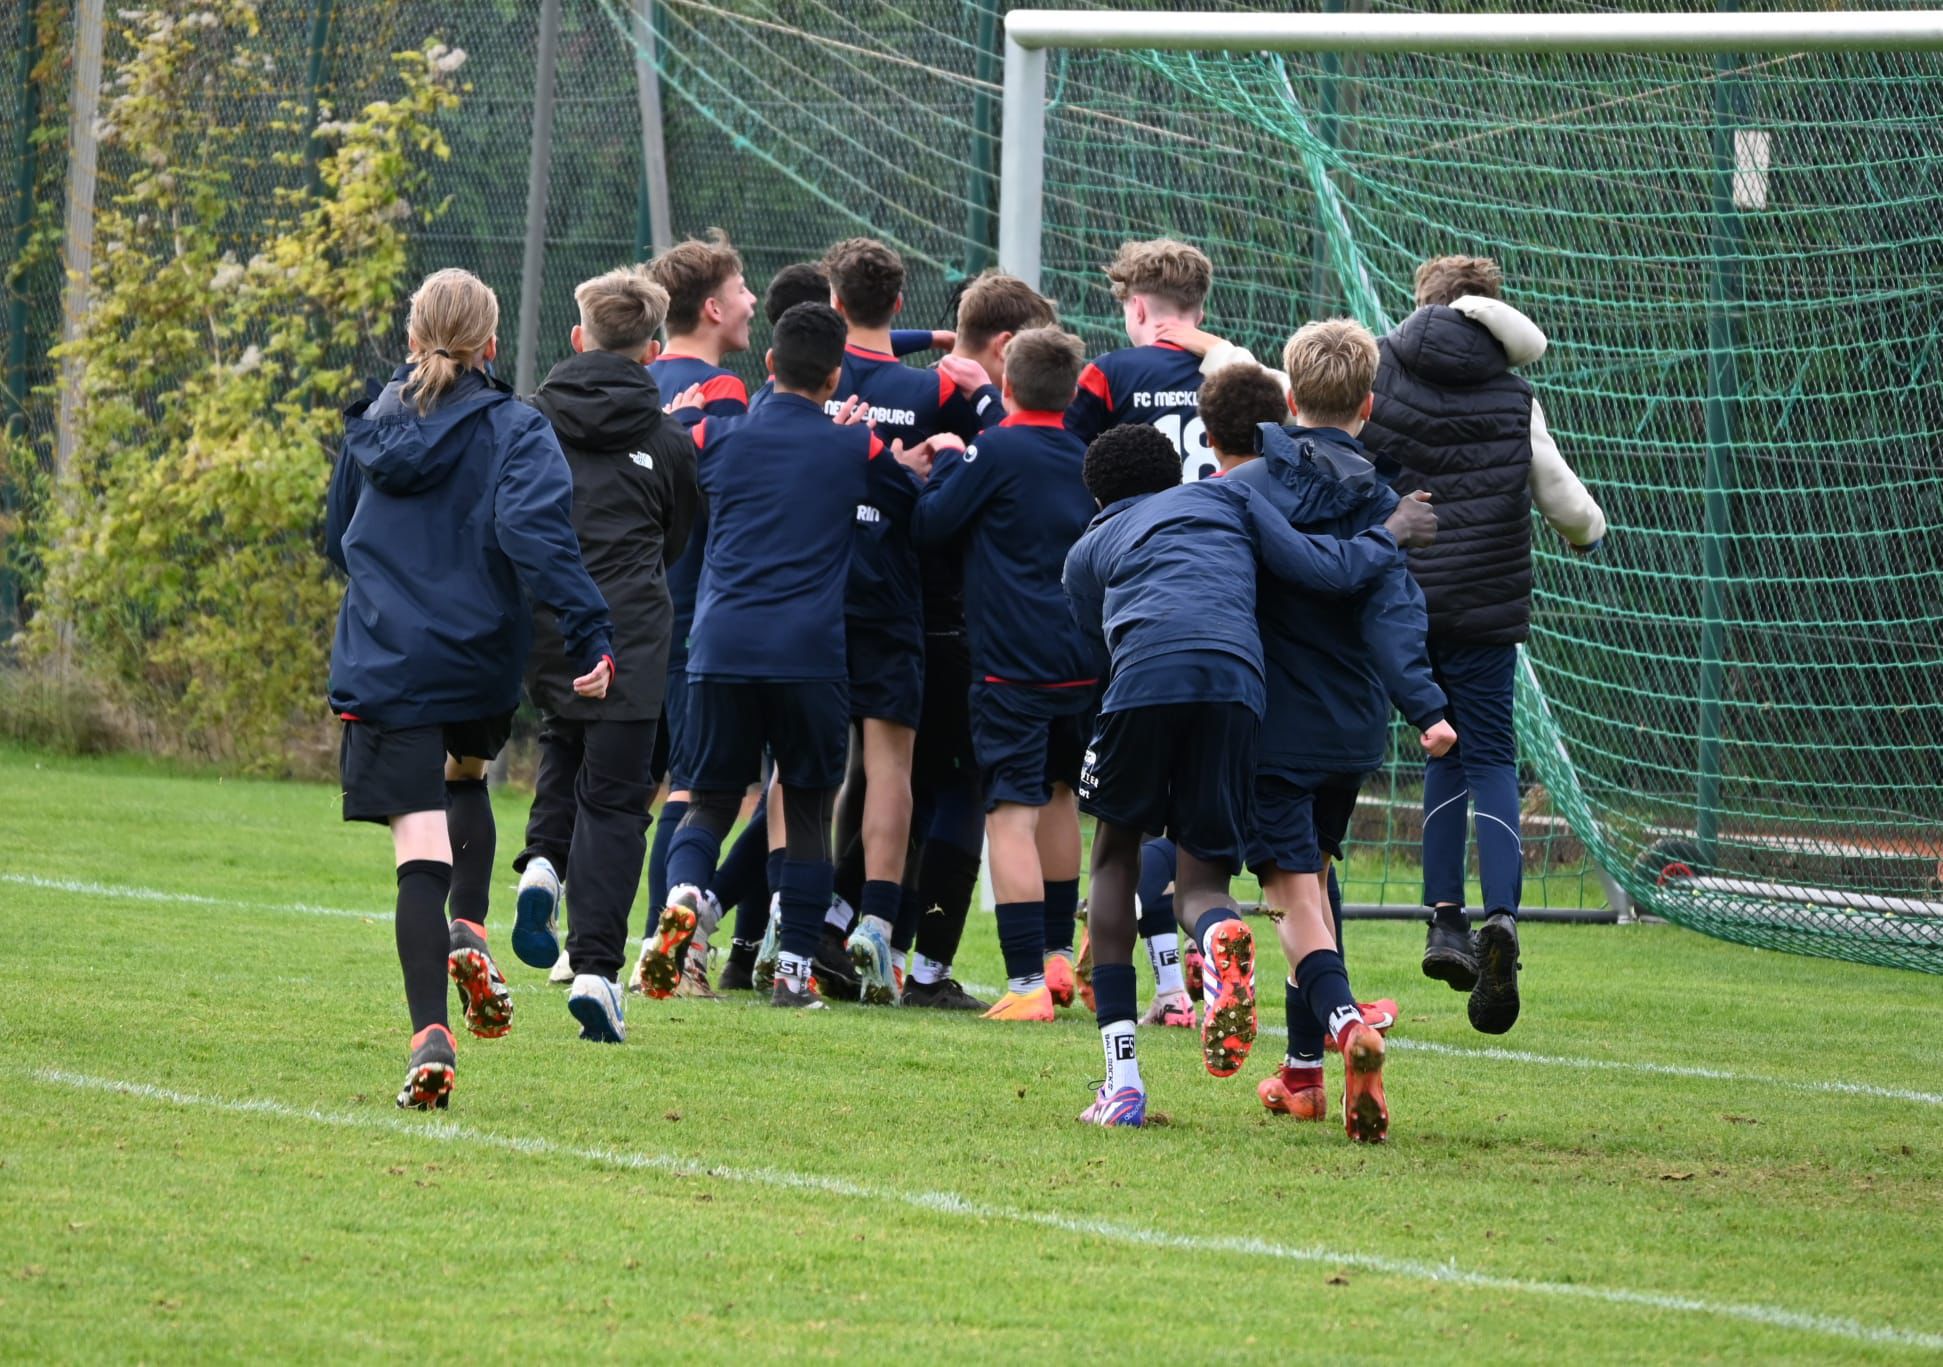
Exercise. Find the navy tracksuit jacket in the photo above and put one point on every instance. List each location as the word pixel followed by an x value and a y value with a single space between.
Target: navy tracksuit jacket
pixel 1335 664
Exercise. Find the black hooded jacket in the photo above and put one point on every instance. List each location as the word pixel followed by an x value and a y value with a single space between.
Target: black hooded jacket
pixel 1450 412
pixel 634 500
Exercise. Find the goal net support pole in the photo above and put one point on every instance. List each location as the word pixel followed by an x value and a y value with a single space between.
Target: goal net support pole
pixel 1030 34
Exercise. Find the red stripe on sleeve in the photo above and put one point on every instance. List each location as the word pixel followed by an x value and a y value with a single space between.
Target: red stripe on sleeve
pixel 725 387
pixel 945 388
pixel 1093 381
pixel 697 432
pixel 876 446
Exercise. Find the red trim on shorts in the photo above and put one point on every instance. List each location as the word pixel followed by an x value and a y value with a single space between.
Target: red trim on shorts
pixel 1021 683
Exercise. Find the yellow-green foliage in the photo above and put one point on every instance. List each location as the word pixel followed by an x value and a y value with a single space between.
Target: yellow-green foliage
pixel 219 348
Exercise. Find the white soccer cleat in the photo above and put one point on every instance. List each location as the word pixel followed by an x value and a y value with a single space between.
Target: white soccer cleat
pixel 597 1003
pixel 536 915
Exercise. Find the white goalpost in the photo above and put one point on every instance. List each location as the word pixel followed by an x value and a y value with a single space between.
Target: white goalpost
pixel 1031 34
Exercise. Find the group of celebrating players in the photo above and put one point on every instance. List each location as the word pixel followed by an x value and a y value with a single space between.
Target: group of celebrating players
pixel 925 610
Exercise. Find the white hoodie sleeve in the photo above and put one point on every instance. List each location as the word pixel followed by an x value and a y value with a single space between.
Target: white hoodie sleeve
pixel 1557 492
pixel 1522 340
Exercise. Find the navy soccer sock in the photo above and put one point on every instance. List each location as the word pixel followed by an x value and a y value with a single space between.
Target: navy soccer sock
pixel 1062 905
pixel 1209 920
pixel 672 811
pixel 1156 882
pixel 423 938
pixel 743 870
pixel 469 823
pixel 1325 982
pixel 691 858
pixel 905 932
pixel 883 899
pixel 806 885
pixel 1022 939
pixel 1336 910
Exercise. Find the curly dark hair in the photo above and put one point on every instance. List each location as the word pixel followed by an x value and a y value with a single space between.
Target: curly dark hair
pixel 807 346
pixel 868 277
pixel 802 283
pixel 1129 461
pixel 1236 400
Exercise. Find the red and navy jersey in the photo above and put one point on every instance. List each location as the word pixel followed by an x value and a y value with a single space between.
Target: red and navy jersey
pixel 1014 503
pixel 723 396
pixel 1159 385
pixel 783 487
pixel 906 405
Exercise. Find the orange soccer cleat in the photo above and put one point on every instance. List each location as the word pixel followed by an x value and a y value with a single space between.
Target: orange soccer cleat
pixel 1228 1021
pixel 1022 1006
pixel 658 971
pixel 1060 980
pixel 1366 1117
pixel 1284 1093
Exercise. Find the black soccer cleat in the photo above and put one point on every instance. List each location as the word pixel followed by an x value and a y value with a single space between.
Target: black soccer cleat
pixel 805 1000
pixel 1449 953
pixel 1494 1001
pixel 942 995
pixel 738 971
pixel 836 973
pixel 429 1076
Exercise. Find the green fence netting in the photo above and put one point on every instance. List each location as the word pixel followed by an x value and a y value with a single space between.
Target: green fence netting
pixel 1732 710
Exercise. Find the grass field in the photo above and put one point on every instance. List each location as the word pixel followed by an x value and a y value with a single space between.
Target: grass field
pixel 1685 1150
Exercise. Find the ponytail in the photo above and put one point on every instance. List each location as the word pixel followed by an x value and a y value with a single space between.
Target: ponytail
pixel 454 318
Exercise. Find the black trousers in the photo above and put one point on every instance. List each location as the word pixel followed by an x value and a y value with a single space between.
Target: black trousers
pixel 590 820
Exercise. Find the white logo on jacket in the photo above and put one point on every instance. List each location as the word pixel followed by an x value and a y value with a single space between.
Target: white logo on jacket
pixel 642 459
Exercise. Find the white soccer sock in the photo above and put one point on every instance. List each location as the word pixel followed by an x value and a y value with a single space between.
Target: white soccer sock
pixel 793 971
pixel 1122 1068
pixel 928 971
pixel 1164 952
pixel 1341 1019
pixel 839 914
pixel 1032 982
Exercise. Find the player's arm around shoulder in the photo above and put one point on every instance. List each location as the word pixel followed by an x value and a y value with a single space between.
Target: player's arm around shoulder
pixel 676 463
pixel 957 489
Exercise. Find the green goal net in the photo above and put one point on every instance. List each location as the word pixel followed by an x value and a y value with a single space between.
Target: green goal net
pixel 1733 709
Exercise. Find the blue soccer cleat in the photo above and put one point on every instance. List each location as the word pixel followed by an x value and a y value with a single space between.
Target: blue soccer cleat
pixel 870 951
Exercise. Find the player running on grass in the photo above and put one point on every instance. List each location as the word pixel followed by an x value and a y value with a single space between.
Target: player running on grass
pixel 1174 747
pixel 1334 667
pixel 634 500
pixel 449 505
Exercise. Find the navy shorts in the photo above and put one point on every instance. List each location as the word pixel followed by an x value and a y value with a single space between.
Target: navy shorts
pixel 674 726
pixel 1184 770
pixel 886 674
pixel 1298 820
pixel 389 771
pixel 1027 739
pixel 944 750
pixel 806 726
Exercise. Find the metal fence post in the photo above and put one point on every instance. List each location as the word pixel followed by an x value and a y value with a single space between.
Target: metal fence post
pixel 538 183
pixel 84 102
pixel 656 231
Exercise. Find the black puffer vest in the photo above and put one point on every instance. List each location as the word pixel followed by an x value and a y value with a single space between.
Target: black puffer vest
pixel 1452 418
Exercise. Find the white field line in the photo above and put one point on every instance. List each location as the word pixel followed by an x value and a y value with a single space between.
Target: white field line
pixel 951 1205
pixel 380 917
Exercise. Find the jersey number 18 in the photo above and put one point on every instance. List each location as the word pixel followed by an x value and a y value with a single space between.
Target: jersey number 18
pixel 1190 438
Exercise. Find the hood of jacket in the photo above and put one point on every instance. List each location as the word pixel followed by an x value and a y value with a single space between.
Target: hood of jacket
pixel 1327 472
pixel 1443 346
pixel 401 452
pixel 601 401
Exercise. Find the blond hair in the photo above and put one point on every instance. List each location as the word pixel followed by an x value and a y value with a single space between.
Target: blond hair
pixel 1331 366
pixel 621 310
pixel 1172 272
pixel 454 317
pixel 1446 279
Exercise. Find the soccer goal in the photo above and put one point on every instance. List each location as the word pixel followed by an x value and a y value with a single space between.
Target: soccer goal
pixel 1730 224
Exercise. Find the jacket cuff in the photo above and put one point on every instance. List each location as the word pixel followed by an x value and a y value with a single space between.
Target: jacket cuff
pixel 1425 723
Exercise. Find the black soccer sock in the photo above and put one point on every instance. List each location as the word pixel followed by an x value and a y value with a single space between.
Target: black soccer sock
pixel 947 879
pixel 424 938
pixel 1305 1036
pixel 1062 906
pixel 850 874
pixel 469 822
pixel 1115 994
pixel 1022 939
pixel 905 931
pixel 881 898
pixel 1325 982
